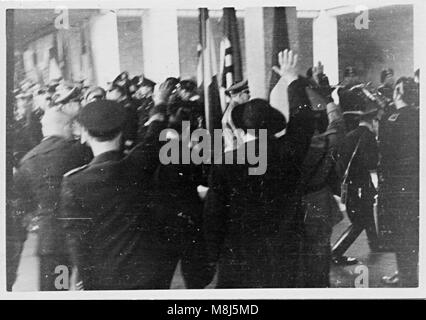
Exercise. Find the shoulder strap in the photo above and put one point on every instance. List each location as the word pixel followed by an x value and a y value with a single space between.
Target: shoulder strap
pixel 345 176
pixel 73 171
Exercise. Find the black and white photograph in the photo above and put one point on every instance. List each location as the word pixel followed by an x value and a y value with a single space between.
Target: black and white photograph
pixel 186 148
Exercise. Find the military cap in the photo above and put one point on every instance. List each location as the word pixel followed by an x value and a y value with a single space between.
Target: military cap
pixel 95 93
pixel 237 87
pixel 188 85
pixel 135 80
pixel 102 116
pixel 258 114
pixel 66 95
pixel 145 82
pixel 23 95
pixel 122 77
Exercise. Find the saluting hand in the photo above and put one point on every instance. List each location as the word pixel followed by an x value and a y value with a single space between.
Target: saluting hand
pixel 287 68
pixel 164 92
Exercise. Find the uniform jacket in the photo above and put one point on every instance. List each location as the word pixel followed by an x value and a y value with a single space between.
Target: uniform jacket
pixel 145 106
pixel 399 149
pixel 365 160
pixel 109 226
pixel 319 176
pixel 399 177
pixel 37 183
pixel 179 208
pixel 26 135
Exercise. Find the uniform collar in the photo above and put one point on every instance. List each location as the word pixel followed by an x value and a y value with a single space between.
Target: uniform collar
pixel 114 155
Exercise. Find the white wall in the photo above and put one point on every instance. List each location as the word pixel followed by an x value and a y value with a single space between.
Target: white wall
pixel 104 43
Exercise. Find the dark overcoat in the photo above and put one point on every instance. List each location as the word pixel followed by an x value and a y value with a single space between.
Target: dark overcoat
pixel 112 233
pixel 253 222
pixel 37 184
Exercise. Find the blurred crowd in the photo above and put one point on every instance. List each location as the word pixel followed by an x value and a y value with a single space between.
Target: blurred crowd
pixel 88 182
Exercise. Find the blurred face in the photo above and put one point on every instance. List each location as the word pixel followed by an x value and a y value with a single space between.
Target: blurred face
pixel 68 129
pixel 389 81
pixel 21 103
pixel 114 95
pixel 56 122
pixel 242 97
pixel 94 96
pixel 144 92
pixel 72 107
pixel 184 94
pixel 43 101
pixel 19 111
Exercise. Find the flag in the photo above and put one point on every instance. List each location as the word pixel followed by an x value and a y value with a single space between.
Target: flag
pixel 86 70
pixel 37 73
pixel 55 72
pixel 62 47
pixel 207 74
pixel 230 51
pixel 280 40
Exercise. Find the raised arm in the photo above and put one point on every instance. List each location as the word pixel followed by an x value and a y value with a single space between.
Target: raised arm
pixel 287 72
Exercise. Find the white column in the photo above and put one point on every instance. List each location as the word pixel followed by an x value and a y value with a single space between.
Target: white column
pixel 104 43
pixel 419 25
pixel 255 52
pixel 325 46
pixel 160 44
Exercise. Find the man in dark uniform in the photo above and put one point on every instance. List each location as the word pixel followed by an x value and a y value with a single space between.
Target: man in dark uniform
pixel 399 184
pixel 252 222
pixel 110 230
pixel 386 88
pixel 145 103
pixel 238 93
pixel 130 130
pixel 360 145
pixel 37 183
pixel 26 126
pixel 350 97
pixel 182 212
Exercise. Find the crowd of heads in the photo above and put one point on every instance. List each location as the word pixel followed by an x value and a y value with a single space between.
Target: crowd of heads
pixel 71 97
pixel 184 102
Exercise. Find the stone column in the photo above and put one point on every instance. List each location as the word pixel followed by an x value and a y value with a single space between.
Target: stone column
pixel 325 48
pixel 104 43
pixel 160 44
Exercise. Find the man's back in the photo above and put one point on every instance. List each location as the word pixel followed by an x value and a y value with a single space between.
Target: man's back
pixel 37 183
pixel 251 221
pixel 399 146
pixel 365 159
pixel 110 229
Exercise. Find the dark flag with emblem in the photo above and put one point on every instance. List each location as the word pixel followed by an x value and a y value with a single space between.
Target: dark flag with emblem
pixel 230 51
pixel 280 40
pixel 207 74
